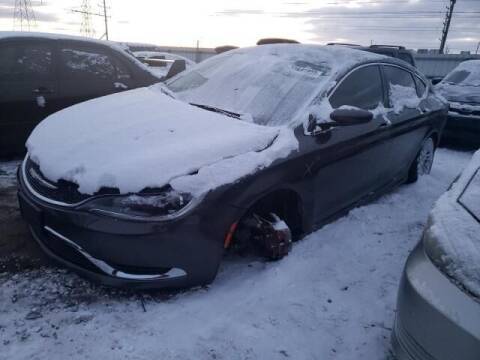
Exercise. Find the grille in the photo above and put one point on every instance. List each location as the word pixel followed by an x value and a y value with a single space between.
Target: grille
pixel 62 190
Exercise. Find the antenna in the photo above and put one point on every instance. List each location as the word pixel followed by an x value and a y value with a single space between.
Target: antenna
pixel 23 15
pixel 86 28
pixel 446 25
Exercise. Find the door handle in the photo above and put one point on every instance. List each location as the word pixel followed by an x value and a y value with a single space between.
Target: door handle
pixel 42 91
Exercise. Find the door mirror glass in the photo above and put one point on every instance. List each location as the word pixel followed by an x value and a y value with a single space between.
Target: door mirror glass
pixel 346 117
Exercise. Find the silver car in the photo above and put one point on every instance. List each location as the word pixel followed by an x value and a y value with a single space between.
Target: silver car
pixel 438 310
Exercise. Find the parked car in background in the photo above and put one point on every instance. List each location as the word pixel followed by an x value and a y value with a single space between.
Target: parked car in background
pixel 395 51
pixel 438 310
pixel 461 88
pixel 252 147
pixel 43 73
pixel 161 63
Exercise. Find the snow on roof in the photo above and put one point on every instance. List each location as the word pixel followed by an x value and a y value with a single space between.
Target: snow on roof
pixel 52 36
pixel 470 65
pixel 454 233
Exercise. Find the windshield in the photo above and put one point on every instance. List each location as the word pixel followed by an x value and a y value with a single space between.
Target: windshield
pixel 270 85
pixel 463 77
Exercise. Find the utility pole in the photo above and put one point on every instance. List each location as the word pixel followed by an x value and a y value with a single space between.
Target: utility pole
pixel 86 28
pixel 105 17
pixel 446 25
pixel 23 15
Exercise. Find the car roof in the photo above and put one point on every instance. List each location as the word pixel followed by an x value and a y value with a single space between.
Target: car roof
pixel 52 36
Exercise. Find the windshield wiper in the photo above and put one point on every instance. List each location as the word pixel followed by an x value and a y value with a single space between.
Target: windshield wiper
pixel 217 110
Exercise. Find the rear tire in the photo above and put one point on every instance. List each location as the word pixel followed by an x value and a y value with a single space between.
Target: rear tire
pixel 423 162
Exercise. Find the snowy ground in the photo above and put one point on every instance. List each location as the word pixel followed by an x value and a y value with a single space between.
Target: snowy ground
pixel 333 297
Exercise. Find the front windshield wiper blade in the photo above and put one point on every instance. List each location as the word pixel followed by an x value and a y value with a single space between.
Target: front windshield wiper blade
pixel 218 110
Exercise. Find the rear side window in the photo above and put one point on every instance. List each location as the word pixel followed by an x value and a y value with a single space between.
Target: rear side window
pixel 26 61
pixel 397 76
pixel 362 89
pixel 86 64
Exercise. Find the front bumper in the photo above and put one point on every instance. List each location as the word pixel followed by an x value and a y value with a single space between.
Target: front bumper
pixel 122 253
pixel 435 319
pixel 462 128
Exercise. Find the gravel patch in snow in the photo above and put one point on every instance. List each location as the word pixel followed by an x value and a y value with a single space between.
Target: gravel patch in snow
pixel 333 297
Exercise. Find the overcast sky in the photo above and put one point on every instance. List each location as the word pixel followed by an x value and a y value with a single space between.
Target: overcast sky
pixel 413 23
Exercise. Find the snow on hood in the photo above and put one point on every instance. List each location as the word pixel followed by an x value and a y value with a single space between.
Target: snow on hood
pixel 144 138
pixel 454 234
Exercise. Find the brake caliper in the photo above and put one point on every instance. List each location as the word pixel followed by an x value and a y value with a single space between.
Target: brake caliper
pixel 273 236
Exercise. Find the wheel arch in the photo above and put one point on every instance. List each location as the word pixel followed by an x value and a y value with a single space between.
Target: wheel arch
pixel 287 203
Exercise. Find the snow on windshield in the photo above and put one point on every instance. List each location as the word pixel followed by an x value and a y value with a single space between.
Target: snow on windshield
pixel 272 83
pixel 465 74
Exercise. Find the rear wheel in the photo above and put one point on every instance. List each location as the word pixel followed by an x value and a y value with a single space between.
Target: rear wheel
pixel 424 161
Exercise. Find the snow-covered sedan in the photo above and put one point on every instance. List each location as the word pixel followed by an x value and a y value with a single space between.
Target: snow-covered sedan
pixel 438 313
pixel 256 146
pixel 461 88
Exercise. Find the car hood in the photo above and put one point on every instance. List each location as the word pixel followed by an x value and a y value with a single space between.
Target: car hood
pixel 452 237
pixel 460 94
pixel 145 139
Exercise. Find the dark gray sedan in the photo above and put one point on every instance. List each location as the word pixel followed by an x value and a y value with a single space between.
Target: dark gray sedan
pixel 438 316
pixel 462 90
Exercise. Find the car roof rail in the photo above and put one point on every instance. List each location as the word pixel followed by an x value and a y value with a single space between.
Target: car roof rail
pixel 399 47
pixel 276 41
pixel 342 44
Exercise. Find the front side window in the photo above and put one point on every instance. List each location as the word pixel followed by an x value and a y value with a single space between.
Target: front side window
pixel 26 61
pixel 362 89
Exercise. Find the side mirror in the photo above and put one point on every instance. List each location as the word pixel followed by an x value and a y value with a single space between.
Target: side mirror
pixel 347 117
pixel 177 67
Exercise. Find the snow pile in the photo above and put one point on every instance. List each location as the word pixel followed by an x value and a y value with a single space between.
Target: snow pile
pixel 403 97
pixel 272 83
pixel 332 298
pixel 453 239
pixel 143 138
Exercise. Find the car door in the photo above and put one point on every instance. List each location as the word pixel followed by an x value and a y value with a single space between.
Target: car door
pixel 88 71
pixel 350 162
pixel 28 90
pixel 407 112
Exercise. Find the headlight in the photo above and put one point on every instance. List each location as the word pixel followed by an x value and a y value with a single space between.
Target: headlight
pixel 166 205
